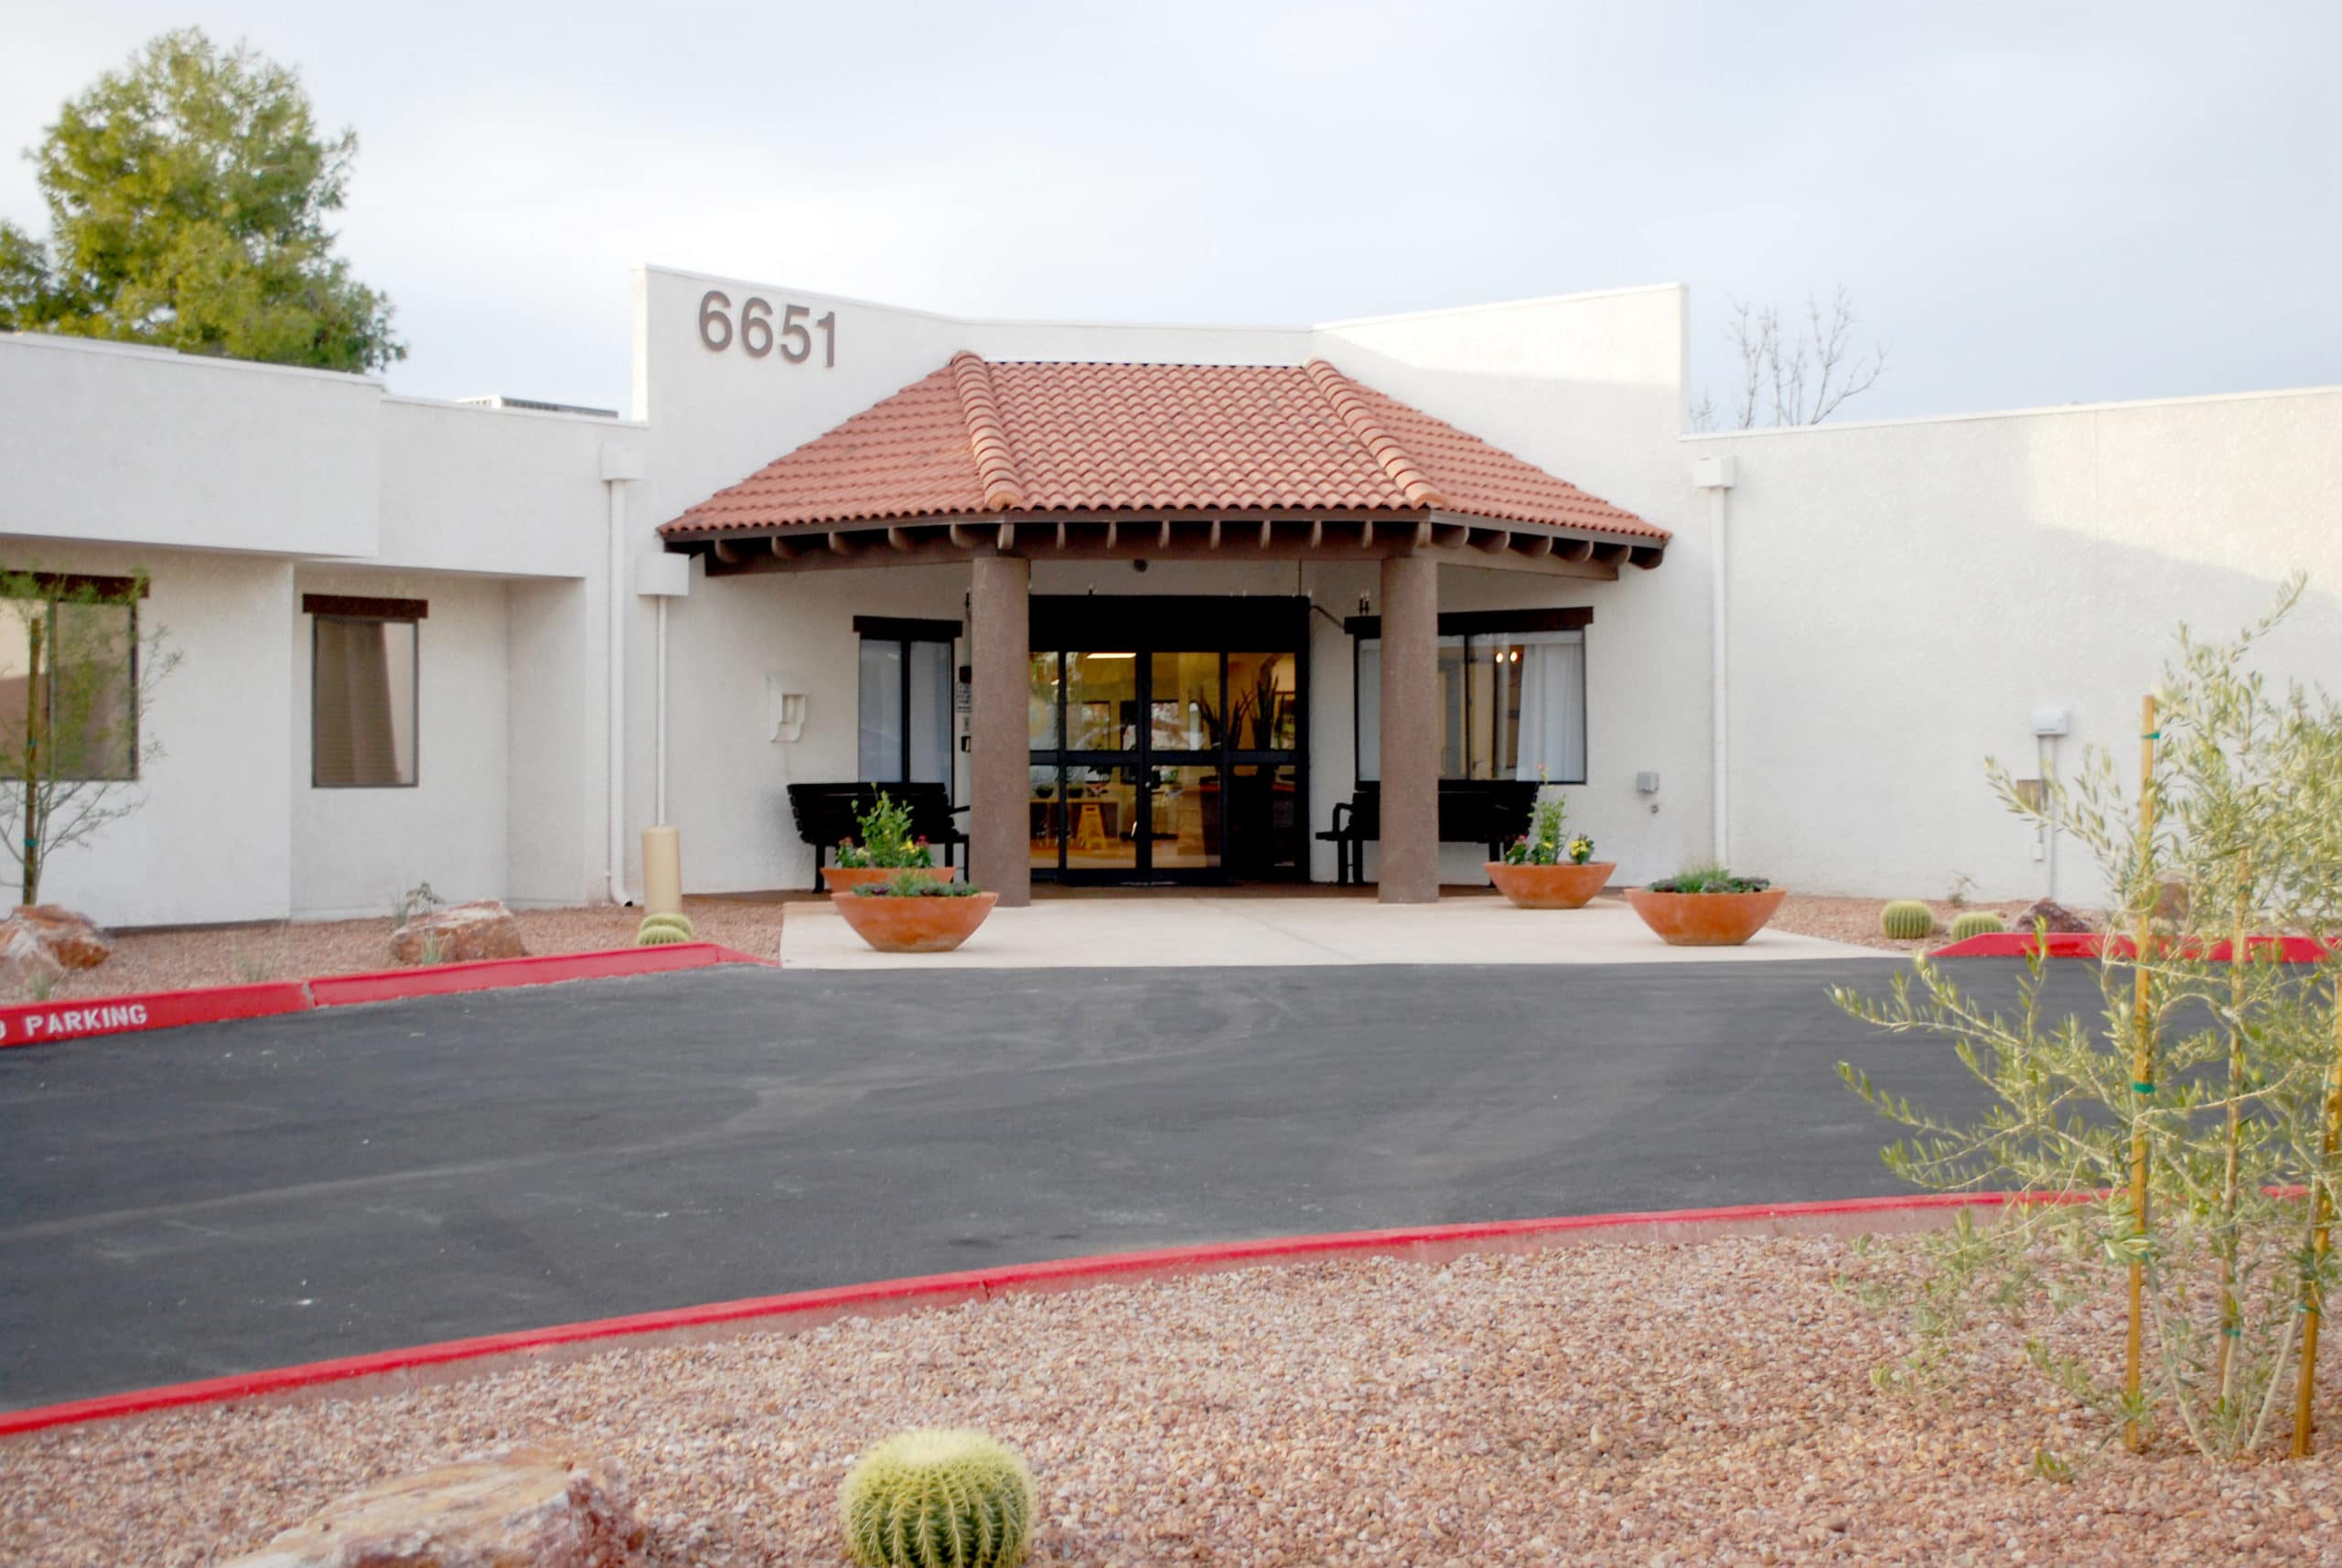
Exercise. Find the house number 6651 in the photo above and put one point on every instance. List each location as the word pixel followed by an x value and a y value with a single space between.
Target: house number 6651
pixel 758 335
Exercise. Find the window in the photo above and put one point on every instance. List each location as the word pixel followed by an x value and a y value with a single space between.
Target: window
pixel 906 701
pixel 364 666
pixel 69 678
pixel 1511 698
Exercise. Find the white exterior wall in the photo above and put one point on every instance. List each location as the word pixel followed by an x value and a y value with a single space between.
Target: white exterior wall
pixel 1907 594
pixel 207 840
pixel 227 482
pixel 1589 387
pixel 356 851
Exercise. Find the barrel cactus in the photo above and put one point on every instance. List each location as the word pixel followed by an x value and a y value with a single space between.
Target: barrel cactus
pixel 660 931
pixel 1907 920
pixel 681 922
pixel 1977 923
pixel 938 1497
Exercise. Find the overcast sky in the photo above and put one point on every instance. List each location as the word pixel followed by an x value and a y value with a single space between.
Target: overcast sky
pixel 2033 203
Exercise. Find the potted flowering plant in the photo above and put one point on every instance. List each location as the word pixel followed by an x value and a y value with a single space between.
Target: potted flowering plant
pixel 1707 906
pixel 1542 870
pixel 912 912
pixel 887 847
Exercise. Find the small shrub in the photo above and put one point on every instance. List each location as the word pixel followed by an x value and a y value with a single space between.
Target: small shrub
pixel 886 839
pixel 911 883
pixel 938 1497
pixel 1541 844
pixel 1977 923
pixel 417 901
pixel 1710 879
pixel 1907 920
pixel 254 969
pixel 435 950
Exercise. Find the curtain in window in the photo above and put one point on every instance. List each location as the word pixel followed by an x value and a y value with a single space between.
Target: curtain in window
pixel 886 664
pixel 1553 705
pixel 360 716
pixel 882 710
pixel 930 672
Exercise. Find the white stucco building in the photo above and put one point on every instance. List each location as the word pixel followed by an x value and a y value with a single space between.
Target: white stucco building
pixel 521 670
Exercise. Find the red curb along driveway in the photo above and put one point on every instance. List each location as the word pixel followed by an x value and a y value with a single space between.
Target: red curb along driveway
pixel 485 1354
pixel 43 1023
pixel 2091 945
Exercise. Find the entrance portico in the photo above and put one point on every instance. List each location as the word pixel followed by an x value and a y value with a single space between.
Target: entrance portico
pixel 998 466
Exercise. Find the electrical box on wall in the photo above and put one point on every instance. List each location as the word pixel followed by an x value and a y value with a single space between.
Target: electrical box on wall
pixel 1647 783
pixel 2053 721
pixel 660 575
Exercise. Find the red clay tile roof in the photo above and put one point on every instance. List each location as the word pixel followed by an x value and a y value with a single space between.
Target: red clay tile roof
pixel 1052 438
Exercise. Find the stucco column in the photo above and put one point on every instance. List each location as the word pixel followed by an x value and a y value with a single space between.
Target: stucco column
pixel 1410 846
pixel 999 751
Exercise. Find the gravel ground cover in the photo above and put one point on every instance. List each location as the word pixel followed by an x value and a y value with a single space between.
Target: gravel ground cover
pixel 236 955
pixel 1618 1404
pixel 1856 920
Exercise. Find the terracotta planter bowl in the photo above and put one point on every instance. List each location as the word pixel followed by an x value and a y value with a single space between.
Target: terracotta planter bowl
pixel 847 878
pixel 1705 919
pixel 914 925
pixel 1560 886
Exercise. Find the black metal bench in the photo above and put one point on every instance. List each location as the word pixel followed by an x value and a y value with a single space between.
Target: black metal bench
pixel 1491 811
pixel 827 814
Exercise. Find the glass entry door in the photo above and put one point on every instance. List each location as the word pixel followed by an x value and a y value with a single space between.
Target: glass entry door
pixel 1159 763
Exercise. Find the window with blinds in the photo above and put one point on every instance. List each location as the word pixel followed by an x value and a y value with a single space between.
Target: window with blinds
pixel 363 677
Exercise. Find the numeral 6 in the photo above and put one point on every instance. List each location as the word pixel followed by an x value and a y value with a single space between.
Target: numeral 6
pixel 756 329
pixel 711 305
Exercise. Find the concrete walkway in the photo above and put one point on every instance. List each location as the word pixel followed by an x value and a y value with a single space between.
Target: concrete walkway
pixel 1141 932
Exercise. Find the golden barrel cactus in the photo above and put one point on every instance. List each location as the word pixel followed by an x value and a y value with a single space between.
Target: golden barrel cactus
pixel 938 1497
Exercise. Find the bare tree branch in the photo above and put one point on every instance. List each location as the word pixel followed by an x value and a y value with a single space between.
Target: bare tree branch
pixel 1795 380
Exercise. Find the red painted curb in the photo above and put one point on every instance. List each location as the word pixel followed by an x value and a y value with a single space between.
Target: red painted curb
pixel 494 973
pixel 2090 944
pixel 808 1307
pixel 38 1022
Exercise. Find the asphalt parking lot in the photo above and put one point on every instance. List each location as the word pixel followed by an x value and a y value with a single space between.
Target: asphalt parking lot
pixel 220 1198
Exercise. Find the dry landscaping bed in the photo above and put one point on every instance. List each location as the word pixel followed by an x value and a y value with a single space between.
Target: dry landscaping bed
pixel 1617 1404
pixel 1856 920
pixel 236 955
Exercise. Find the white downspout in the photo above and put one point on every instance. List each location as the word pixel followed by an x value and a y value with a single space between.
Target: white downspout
pixel 1714 474
pixel 619 465
pixel 659 799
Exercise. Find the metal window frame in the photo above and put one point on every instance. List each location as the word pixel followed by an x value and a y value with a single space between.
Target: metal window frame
pixel 1474 626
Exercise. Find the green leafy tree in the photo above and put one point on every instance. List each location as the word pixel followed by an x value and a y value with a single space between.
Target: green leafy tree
pixel 186 195
pixel 76 675
pixel 2183 1148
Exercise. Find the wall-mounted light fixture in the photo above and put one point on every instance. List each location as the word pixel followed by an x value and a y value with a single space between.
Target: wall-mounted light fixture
pixel 785 709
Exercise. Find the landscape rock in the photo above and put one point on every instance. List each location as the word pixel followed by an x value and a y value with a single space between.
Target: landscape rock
pixel 482 929
pixel 25 960
pixel 2054 915
pixel 527 1508
pixel 74 940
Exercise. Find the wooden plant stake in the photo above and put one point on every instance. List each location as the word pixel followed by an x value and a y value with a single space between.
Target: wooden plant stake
pixel 2232 1319
pixel 2321 1238
pixel 2143 1060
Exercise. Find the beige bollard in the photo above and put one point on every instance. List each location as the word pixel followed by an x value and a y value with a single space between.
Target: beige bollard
pixel 662 872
